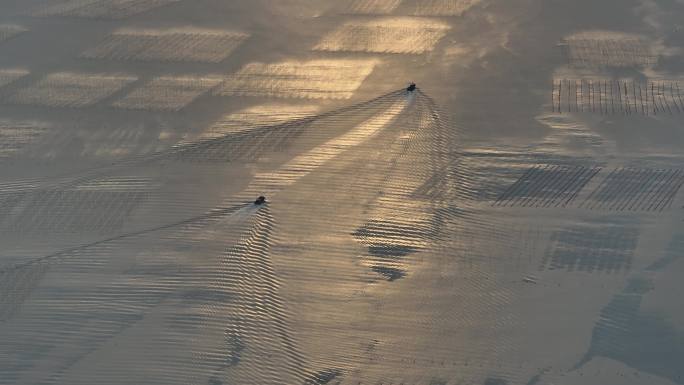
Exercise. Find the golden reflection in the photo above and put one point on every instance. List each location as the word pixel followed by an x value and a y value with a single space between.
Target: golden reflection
pixel 314 79
pixel 302 165
pixel 390 35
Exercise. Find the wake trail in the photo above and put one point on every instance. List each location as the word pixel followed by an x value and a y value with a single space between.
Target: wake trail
pixel 266 183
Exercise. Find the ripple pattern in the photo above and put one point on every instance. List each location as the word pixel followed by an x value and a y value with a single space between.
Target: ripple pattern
pixel 306 289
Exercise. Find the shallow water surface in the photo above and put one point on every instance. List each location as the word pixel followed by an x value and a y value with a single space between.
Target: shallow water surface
pixel 515 219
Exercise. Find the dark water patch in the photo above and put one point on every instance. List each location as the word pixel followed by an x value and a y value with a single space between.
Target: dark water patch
pixel 234 348
pixel 390 251
pixel 438 381
pixel 390 273
pixel 647 342
pixel 436 187
pixel 534 380
pixel 323 377
pixel 673 252
pixel 638 285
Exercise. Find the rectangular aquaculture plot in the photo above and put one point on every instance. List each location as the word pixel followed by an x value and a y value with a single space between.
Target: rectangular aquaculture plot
pixel 547 186
pixel 16 135
pixel 189 45
pixel 8 76
pixel 315 79
pixel 71 89
pixel 630 189
pixel 443 7
pixel 610 51
pixel 599 247
pixel 8 31
pixel 168 93
pixel 103 9
pixel 372 7
pixel 387 35
pixel 611 96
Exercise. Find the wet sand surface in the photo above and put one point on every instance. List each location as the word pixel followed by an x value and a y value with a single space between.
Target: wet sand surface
pixel 517 219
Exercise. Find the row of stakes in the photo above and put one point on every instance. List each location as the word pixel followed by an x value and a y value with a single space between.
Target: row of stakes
pixel 613 96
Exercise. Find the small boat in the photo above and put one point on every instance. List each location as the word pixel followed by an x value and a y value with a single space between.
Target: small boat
pixel 411 87
pixel 260 200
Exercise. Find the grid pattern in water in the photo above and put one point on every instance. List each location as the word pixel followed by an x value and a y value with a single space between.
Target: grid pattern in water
pixel 191 45
pixel 394 35
pixel 70 89
pixel 168 93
